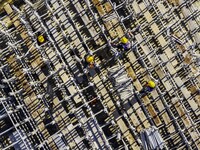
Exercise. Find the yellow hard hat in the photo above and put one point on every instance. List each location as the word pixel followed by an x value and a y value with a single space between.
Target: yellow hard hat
pixel 41 38
pixel 90 59
pixel 124 40
pixel 151 84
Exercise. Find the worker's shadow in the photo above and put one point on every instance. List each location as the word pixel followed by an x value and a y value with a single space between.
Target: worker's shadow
pixel 126 106
pixel 106 58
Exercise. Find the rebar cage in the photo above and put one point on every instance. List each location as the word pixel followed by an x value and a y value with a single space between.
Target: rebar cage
pixel 49 100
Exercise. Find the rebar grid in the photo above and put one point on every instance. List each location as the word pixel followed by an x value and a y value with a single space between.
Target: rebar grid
pixel 51 101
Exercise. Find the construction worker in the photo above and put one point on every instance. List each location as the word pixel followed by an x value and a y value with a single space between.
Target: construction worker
pixel 125 44
pixel 89 62
pixel 149 87
pixel 41 39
